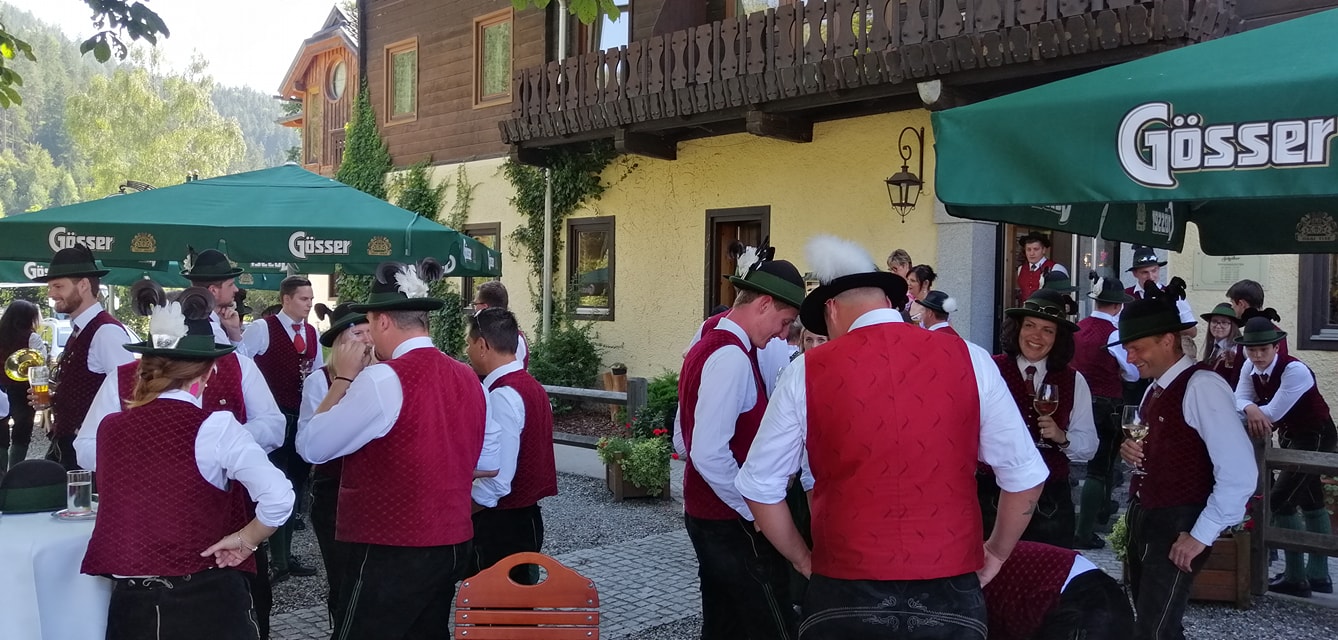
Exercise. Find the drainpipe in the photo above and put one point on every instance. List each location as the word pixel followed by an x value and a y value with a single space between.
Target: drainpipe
pixel 548 194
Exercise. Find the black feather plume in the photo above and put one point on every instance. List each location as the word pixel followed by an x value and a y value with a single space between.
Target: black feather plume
pixel 765 252
pixel 386 271
pixel 239 298
pixel 1175 289
pixel 196 303
pixel 429 270
pixel 1150 289
pixel 145 295
pixel 736 249
pixel 322 311
pixel 1269 313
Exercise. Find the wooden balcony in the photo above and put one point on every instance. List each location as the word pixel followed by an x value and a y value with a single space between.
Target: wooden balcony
pixel 774 72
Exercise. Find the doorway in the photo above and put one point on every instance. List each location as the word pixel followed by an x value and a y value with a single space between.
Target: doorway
pixel 746 225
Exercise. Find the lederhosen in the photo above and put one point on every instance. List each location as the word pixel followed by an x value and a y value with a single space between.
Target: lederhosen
pixel 1308 426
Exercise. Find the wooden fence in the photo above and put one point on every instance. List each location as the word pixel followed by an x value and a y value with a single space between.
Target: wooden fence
pixel 1265 535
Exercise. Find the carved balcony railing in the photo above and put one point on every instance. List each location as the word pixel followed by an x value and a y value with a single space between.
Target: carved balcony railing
pixel 793 51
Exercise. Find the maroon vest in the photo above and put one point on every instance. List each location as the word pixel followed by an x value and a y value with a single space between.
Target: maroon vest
pixel 1179 470
pixel 223 393
pixel 157 513
pixel 1055 458
pixel 1310 414
pixel 699 499
pixel 332 468
pixel 948 330
pixel 1228 364
pixel 893 437
pixel 536 470
pixel 78 385
pixel 1029 282
pixel 1026 588
pixel 282 365
pixel 1092 358
pixel 410 487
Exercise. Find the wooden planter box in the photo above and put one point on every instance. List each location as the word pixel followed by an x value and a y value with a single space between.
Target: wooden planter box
pixel 1226 575
pixel 622 489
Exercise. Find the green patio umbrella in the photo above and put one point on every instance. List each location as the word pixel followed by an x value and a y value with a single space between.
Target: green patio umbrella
pixel 1233 135
pixel 16 272
pixel 280 215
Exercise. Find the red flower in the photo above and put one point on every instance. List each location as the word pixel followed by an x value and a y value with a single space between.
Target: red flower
pixel 660 432
pixel 674 456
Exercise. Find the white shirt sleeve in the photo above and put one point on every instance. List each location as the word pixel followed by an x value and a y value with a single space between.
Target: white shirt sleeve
pixel 106 402
pixel 225 451
pixel 490 457
pixel 1082 428
pixel 255 339
pixel 1059 268
pixel 314 389
pixel 108 349
pixel 680 447
pixel 1186 314
pixel 366 412
pixel 319 357
pixel 264 421
pixel 1244 391
pixel 1128 372
pixel 1296 380
pixel 506 415
pixel 723 396
pixel 1005 444
pixel 522 349
pixel 779 446
pixel 1209 411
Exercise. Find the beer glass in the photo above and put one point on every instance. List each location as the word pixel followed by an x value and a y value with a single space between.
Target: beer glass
pixel 39 378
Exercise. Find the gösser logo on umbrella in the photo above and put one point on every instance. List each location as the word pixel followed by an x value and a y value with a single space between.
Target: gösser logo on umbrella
pixel 61 238
pixel 301 245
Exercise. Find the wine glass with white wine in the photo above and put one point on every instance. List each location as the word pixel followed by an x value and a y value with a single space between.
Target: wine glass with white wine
pixel 1137 429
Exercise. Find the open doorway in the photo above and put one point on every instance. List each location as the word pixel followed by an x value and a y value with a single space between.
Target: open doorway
pixel 748 225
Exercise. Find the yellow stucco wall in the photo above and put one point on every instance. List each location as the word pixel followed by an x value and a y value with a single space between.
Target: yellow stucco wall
pixel 831 185
pixel 1281 290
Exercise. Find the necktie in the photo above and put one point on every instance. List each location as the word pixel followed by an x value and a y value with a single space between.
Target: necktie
pixel 1147 402
pixel 1031 380
pixel 299 341
pixel 74 334
pixel 1034 267
pixel 1212 357
pixel 1264 377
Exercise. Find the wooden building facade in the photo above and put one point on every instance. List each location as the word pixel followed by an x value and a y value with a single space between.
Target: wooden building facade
pixel 324 78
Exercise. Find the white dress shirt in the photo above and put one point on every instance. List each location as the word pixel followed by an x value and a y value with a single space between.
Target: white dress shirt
pixel 1082 429
pixel 1005 443
pixel 220 335
pixel 366 412
pixel 1296 380
pixel 264 421
pixel 506 421
pixel 727 391
pixel 1128 372
pixel 522 349
pixel 107 350
pixel 941 325
pixel 255 340
pixel 225 451
pixel 1058 268
pixel 1209 411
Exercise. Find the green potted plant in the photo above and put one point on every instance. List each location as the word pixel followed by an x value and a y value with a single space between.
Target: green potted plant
pixel 637 464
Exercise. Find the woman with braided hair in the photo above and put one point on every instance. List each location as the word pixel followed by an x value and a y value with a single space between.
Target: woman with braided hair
pixel 167 531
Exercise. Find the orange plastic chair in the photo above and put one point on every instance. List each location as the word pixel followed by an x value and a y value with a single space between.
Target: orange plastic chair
pixel 492 606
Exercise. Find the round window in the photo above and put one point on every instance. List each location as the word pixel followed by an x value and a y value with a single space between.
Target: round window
pixel 338 79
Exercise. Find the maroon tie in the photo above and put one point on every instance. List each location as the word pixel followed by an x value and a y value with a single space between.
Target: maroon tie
pixel 1264 377
pixel 299 342
pixel 1031 380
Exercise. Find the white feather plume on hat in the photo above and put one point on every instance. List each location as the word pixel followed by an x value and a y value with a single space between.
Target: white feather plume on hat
pixel 949 304
pixel 745 261
pixel 167 325
pixel 409 283
pixel 831 257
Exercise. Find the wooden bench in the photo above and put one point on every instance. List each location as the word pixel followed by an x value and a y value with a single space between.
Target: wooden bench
pixel 492 606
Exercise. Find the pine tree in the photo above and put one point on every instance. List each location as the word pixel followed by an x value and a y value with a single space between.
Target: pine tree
pixel 366 159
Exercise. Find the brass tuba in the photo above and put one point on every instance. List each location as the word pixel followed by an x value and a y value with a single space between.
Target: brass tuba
pixel 18 363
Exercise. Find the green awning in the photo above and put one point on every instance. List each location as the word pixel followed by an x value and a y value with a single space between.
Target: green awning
pixel 281 215
pixel 1234 135
pixel 19 273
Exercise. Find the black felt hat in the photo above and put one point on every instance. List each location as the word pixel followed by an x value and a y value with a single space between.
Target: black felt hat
pixel 209 265
pixel 1057 280
pixel 1260 331
pixel 1045 304
pixel 841 266
pixel 1145 257
pixel 1109 290
pixel 342 318
pixel 1153 316
pixel 940 302
pixel 33 486
pixel 72 262
pixel 402 287
pixel 180 330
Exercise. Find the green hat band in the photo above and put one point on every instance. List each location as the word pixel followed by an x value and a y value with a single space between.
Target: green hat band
pixel 33 499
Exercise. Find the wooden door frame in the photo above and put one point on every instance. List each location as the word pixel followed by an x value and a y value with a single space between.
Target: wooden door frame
pixel 757 213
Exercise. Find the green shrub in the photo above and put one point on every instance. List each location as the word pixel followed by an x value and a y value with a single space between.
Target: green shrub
pixel 1119 537
pixel 568 356
pixel 644 461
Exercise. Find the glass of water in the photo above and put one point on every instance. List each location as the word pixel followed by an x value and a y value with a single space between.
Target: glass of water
pixel 79 494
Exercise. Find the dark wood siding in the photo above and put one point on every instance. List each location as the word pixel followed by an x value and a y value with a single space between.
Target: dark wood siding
pixel 448 127
pixel 1259 13
pixel 334 114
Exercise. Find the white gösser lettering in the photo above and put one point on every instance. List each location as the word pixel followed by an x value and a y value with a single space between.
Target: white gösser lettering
pixel 1154 145
pixel 302 245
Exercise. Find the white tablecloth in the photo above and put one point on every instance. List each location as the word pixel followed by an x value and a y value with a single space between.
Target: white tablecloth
pixel 42 593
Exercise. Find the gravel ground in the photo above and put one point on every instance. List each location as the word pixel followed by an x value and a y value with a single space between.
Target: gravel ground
pixel 582 515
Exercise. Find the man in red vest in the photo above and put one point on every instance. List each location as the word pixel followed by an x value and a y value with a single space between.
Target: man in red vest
pixel 722 396
pixel 894 420
pixel 1277 391
pixel 92 351
pixel 213 270
pixel 286 349
pixel 506 506
pixel 1051 592
pixel 1031 276
pixel 1106 370
pixel 410 431
pixel 1198 464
